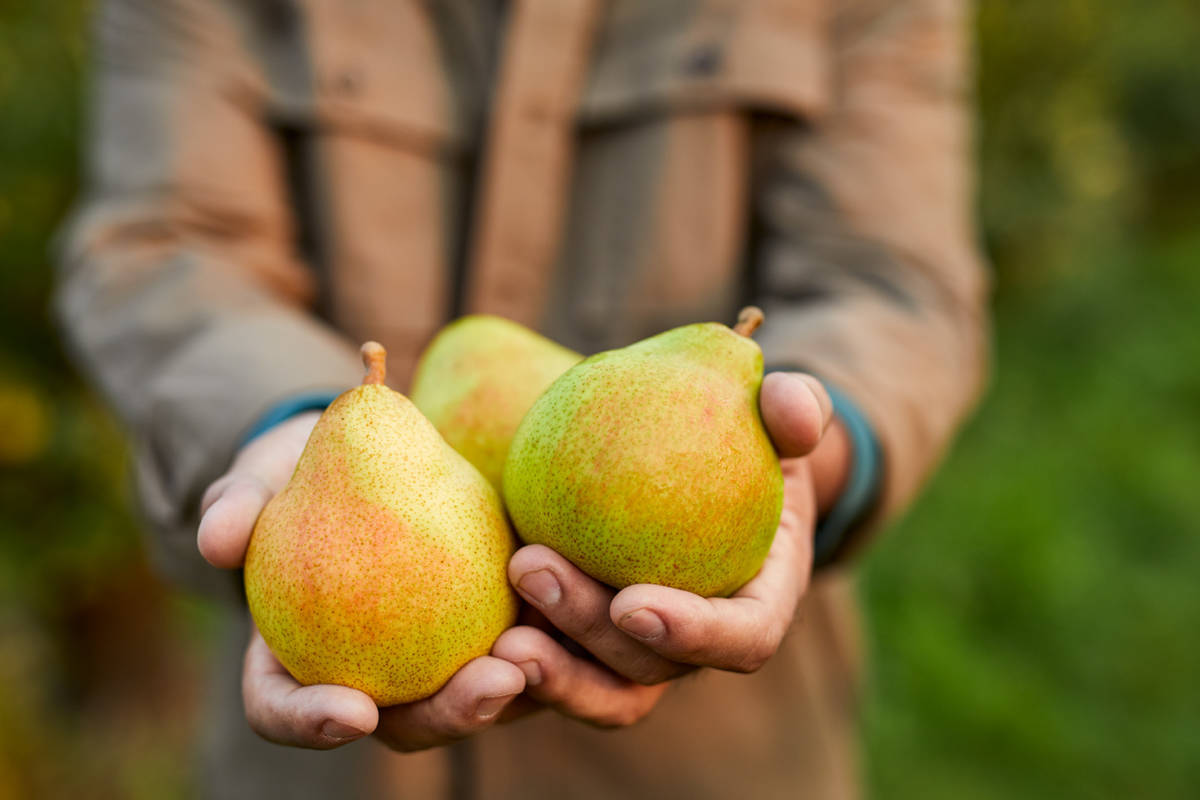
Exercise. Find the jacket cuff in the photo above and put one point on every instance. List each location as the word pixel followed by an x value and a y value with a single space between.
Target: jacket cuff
pixel 861 491
pixel 288 408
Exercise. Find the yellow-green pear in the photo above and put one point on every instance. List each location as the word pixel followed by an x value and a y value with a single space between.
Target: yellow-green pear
pixel 382 565
pixel 477 379
pixel 650 464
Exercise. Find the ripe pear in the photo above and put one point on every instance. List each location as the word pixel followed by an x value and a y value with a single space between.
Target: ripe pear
pixel 650 464
pixel 477 379
pixel 383 564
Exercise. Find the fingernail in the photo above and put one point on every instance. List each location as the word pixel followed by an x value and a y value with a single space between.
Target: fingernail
pixel 533 672
pixel 818 390
pixel 340 730
pixel 540 587
pixel 643 623
pixel 490 706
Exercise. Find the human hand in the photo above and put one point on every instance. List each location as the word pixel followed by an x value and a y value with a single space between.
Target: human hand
pixel 322 717
pixel 645 635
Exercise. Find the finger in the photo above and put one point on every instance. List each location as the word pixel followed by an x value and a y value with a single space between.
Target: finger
pixel 796 409
pixel 573 686
pixel 213 493
pixel 522 706
pixel 471 701
pixel 229 519
pixel 281 710
pixel 528 615
pixel 738 633
pixel 579 607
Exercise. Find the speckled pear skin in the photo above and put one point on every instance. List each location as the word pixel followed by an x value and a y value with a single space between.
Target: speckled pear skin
pixel 650 464
pixel 478 378
pixel 382 565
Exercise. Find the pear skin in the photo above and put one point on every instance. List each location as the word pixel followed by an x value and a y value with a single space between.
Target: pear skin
pixel 478 378
pixel 383 564
pixel 650 464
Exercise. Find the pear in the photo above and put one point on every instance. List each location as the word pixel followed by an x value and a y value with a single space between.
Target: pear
pixel 650 464
pixel 477 379
pixel 382 565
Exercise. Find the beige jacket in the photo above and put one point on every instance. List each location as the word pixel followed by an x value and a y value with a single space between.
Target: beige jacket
pixel 273 181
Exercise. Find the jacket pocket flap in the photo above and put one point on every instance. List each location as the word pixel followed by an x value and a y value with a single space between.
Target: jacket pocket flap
pixel 376 75
pixel 765 54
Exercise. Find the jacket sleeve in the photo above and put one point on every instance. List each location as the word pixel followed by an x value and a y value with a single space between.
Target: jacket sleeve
pixel 180 292
pixel 866 262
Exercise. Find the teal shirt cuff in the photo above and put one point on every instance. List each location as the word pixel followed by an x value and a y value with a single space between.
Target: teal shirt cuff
pixel 862 484
pixel 286 409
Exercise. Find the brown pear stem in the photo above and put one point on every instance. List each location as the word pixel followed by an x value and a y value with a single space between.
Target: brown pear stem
pixel 374 358
pixel 749 318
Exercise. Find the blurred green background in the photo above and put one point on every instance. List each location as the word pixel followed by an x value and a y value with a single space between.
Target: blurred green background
pixel 1033 622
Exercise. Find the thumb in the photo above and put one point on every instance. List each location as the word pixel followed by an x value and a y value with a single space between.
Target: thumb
pixel 233 502
pixel 229 510
pixel 796 410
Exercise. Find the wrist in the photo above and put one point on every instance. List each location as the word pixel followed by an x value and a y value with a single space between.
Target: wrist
pixel 830 462
pixel 273 454
pixel 862 477
pixel 286 409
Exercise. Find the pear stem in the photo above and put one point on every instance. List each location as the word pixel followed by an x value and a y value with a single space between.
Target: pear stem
pixel 749 318
pixel 374 358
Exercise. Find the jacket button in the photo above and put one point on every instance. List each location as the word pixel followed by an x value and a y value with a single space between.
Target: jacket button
pixel 703 62
pixel 348 82
pixel 537 110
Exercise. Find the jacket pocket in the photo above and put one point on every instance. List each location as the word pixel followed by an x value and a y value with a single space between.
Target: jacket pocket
pixel 661 191
pixel 374 71
pixel 364 92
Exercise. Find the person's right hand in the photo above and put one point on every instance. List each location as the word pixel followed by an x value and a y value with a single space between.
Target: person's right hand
pixel 323 717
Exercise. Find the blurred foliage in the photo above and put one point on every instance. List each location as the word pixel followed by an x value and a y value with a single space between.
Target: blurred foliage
pixel 1033 619
pixel 98 662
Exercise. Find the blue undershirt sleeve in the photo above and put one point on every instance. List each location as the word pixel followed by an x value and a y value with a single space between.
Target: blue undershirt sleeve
pixel 862 484
pixel 286 409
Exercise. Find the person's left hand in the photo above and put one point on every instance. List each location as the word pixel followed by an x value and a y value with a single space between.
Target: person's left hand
pixel 644 635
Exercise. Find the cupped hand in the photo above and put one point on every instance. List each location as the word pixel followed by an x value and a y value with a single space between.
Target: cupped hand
pixel 325 716
pixel 625 646
pixel 322 717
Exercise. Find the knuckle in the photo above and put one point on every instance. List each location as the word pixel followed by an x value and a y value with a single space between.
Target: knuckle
pixel 296 725
pixel 431 728
pixel 516 645
pixel 653 672
pixel 648 678
pixel 588 625
pixel 266 728
pixel 256 724
pixel 253 707
pixel 460 724
pixel 691 649
pixel 631 708
pixel 623 716
pixel 400 744
pixel 391 743
pixel 212 494
pixel 758 653
pixel 748 663
pixel 395 734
